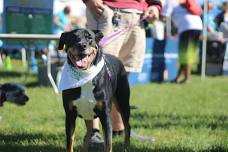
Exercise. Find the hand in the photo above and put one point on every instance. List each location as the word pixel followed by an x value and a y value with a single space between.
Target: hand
pixel 95 6
pixel 68 27
pixel 151 14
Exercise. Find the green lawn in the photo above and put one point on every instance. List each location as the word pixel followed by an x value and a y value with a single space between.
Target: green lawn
pixel 182 118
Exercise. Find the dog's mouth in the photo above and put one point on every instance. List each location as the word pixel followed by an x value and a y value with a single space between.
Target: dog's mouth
pixel 84 60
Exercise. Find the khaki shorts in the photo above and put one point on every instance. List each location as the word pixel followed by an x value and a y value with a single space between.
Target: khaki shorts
pixel 129 46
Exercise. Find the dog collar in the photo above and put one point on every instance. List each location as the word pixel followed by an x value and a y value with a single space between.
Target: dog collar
pixel 74 78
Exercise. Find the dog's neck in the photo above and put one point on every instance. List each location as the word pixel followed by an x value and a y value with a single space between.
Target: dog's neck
pixel 98 57
pixel 73 78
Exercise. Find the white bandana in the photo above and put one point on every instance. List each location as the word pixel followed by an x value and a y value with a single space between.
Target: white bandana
pixel 86 103
pixel 74 78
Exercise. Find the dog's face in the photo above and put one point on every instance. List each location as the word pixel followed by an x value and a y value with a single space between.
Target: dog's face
pixel 13 93
pixel 81 47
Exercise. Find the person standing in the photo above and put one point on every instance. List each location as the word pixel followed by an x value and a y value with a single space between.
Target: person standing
pixel 222 19
pixel 189 28
pixel 62 21
pixel 109 16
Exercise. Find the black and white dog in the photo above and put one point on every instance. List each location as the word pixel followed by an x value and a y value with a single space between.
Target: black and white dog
pixel 13 93
pixel 90 83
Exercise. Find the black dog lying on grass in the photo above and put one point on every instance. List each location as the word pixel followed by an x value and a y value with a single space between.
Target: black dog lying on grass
pixel 91 81
pixel 13 93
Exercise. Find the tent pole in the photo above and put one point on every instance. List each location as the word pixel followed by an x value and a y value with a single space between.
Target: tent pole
pixel 204 47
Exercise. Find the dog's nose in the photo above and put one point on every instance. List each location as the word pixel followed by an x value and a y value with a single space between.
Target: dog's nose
pixel 84 46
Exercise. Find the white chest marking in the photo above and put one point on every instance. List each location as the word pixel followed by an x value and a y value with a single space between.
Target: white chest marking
pixel 86 103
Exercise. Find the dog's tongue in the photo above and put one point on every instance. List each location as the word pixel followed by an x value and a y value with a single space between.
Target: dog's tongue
pixel 82 63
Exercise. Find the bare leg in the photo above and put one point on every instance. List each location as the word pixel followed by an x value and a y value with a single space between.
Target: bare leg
pixel 96 124
pixel 89 126
pixel 179 74
pixel 187 73
pixel 117 123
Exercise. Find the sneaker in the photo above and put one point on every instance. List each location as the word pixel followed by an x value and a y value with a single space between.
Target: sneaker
pixel 96 140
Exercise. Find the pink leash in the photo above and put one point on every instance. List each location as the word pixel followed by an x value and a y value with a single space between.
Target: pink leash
pixel 117 33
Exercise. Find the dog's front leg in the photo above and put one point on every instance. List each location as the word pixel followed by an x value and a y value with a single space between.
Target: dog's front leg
pixel 89 126
pixel 70 128
pixel 70 116
pixel 106 122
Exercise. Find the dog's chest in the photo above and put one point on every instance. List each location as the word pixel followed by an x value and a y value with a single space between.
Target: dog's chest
pixel 86 103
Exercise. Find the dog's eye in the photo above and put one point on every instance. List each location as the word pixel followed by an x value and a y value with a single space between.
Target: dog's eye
pixel 90 42
pixel 87 35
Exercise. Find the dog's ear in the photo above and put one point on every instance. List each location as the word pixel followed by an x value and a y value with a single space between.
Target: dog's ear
pixel 98 35
pixel 62 41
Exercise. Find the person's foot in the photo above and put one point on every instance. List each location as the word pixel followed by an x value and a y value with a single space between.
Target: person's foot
pixel 177 80
pixel 173 81
pixel 96 140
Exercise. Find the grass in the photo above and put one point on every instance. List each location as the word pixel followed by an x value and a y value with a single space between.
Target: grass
pixel 182 118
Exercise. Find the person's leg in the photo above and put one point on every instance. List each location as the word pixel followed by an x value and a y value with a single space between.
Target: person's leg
pixel 96 124
pixel 182 56
pixel 179 74
pixel 131 54
pixel 104 24
pixel 101 23
pixel 186 68
pixel 187 73
pixel 117 123
pixel 191 52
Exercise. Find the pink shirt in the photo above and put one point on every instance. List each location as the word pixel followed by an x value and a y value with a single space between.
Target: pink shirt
pixel 130 4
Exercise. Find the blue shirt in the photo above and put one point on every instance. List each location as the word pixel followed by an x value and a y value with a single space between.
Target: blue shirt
pixel 63 19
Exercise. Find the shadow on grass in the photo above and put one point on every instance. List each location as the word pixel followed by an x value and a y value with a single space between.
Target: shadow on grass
pixel 29 80
pixel 118 147
pixel 32 148
pixel 171 120
pixel 184 149
pixel 32 84
pixel 30 143
pixel 13 74
pixel 47 143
